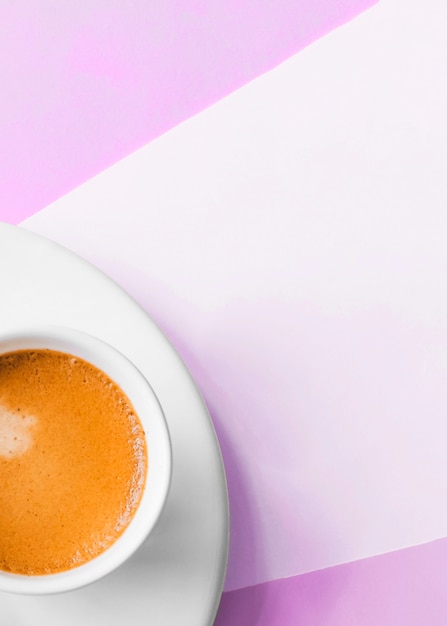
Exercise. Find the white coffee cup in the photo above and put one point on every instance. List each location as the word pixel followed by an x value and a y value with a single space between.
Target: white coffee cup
pixel 132 382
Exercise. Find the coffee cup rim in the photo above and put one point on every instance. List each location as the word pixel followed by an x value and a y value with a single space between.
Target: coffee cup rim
pixel 129 377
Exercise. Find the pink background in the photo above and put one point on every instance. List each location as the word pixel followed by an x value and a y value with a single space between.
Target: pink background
pixel 322 311
pixel 405 588
pixel 85 85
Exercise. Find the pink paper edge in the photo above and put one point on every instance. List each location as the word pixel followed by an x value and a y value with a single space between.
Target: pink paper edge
pixel 402 588
pixel 24 196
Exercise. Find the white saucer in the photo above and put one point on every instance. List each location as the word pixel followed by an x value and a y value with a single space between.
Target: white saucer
pixel 176 578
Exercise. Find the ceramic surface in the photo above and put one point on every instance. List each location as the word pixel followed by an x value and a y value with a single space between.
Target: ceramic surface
pixel 176 577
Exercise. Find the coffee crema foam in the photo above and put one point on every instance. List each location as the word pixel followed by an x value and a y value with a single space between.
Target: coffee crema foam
pixel 73 462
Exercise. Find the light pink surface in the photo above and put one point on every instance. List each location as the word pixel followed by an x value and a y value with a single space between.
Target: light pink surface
pixel 406 588
pixel 84 84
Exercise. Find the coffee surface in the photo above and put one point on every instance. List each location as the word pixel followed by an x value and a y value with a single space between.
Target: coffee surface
pixel 73 462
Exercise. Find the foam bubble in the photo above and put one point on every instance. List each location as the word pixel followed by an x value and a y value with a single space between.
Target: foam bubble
pixel 15 433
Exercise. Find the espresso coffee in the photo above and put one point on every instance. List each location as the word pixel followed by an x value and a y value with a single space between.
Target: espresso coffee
pixel 73 462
